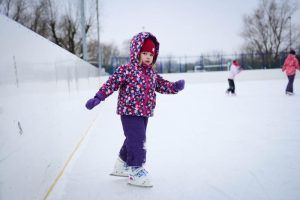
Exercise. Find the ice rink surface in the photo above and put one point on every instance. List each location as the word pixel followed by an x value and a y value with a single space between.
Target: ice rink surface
pixel 201 144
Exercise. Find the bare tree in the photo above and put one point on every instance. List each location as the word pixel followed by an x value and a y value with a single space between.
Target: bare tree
pixel 15 9
pixel 20 10
pixel 40 18
pixel 266 29
pixel 125 47
pixel 108 52
pixel 5 7
pixel 30 13
pixel 69 29
pixel 93 50
pixel 53 20
pixel 61 24
pixel 65 29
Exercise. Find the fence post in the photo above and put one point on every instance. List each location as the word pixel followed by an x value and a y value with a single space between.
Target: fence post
pixel 252 59
pixel 16 72
pixel 179 64
pixel 202 60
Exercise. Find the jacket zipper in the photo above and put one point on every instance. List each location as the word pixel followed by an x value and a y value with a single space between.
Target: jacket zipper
pixel 146 93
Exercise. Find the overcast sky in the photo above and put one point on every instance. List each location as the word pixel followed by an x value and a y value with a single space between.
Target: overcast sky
pixel 188 27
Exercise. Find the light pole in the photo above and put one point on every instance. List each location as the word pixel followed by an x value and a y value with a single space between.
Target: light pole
pixel 290 18
pixel 84 46
pixel 99 46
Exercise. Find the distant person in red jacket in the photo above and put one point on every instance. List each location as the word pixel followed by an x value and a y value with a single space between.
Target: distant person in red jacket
pixel 290 66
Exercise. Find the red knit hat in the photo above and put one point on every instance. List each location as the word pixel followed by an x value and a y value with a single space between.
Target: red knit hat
pixel 148 46
pixel 236 62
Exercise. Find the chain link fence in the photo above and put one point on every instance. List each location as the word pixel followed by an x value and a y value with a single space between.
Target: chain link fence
pixel 203 63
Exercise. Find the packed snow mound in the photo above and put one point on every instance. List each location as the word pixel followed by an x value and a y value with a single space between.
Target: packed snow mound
pixel 27 56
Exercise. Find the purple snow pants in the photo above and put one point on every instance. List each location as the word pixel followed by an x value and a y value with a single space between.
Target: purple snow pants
pixel 132 151
pixel 289 87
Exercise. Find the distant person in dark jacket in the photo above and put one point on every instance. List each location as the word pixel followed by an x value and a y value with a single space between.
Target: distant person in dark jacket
pixel 235 68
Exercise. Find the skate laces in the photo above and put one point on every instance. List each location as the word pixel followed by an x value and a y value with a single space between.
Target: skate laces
pixel 124 164
pixel 140 172
pixel 126 167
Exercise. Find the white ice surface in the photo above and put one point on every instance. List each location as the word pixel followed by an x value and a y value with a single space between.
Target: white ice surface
pixel 201 144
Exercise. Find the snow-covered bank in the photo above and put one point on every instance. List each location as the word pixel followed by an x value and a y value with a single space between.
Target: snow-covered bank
pixel 26 56
pixel 38 82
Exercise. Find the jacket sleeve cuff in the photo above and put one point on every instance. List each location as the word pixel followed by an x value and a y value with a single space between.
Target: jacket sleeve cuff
pixel 99 95
pixel 175 88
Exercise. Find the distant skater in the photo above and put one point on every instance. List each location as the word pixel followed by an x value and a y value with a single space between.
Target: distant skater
pixel 235 68
pixel 137 82
pixel 290 66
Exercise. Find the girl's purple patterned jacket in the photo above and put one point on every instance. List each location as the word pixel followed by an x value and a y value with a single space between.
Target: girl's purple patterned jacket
pixel 137 84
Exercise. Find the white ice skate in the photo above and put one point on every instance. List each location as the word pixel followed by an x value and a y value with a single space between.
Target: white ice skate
pixel 139 177
pixel 289 93
pixel 228 93
pixel 120 168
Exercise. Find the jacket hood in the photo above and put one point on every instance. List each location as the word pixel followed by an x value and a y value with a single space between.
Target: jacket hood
pixel 136 44
pixel 291 56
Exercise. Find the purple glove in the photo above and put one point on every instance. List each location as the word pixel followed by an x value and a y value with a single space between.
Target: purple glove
pixel 179 85
pixel 91 103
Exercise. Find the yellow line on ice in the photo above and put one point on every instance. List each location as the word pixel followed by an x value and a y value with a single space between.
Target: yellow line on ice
pixel 68 161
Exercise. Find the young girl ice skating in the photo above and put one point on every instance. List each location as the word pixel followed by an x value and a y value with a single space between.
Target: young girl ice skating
pixel 290 65
pixel 137 82
pixel 235 68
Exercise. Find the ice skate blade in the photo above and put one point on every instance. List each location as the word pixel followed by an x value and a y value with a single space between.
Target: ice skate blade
pixel 141 186
pixel 117 174
pixel 289 95
pixel 231 95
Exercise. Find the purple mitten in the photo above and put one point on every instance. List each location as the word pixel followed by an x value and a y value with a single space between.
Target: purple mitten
pixel 179 85
pixel 91 103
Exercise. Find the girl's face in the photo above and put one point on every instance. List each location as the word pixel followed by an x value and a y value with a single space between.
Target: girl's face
pixel 146 58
